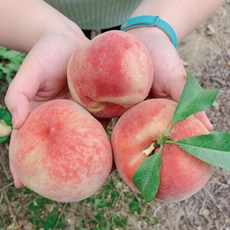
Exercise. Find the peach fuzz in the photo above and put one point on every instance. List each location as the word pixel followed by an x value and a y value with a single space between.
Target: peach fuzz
pixel 181 175
pixel 61 152
pixel 110 74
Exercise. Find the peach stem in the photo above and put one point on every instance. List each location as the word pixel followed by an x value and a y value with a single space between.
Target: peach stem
pixel 149 150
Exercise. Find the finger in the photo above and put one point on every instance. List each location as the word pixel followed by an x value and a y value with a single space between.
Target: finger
pixel 204 119
pixel 176 91
pixel 21 90
pixel 18 105
pixel 176 87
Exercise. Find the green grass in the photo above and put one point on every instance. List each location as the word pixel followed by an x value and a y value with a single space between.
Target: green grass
pixel 10 61
pixel 110 208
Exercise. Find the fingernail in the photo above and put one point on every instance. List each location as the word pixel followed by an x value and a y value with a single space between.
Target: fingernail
pixel 210 126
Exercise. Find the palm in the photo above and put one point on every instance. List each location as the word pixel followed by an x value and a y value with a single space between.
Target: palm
pixel 42 76
pixel 169 73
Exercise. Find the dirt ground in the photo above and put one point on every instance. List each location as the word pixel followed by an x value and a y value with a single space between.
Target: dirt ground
pixel 205 53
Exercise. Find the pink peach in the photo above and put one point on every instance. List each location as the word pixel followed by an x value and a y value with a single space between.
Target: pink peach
pixel 181 174
pixel 110 74
pixel 61 152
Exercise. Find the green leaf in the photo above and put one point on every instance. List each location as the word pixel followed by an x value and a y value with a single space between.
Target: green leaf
pixel 147 176
pixel 193 99
pixel 11 55
pixel 6 116
pixel 212 148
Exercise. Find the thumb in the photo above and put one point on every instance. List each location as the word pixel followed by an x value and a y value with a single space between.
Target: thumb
pixel 176 92
pixel 18 105
pixel 176 83
pixel 21 90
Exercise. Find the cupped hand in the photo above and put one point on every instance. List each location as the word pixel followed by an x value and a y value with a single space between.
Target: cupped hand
pixel 169 73
pixel 42 75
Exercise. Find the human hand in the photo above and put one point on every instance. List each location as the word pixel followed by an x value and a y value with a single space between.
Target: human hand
pixel 169 73
pixel 42 76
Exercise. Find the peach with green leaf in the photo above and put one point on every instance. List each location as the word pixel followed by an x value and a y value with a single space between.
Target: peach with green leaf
pixel 181 175
pixel 163 151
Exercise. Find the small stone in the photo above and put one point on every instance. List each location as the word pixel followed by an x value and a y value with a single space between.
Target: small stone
pixel 185 64
pixel 210 30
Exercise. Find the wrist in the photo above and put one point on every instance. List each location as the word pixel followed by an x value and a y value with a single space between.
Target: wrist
pixel 151 21
pixel 149 35
pixel 74 34
pixel 183 16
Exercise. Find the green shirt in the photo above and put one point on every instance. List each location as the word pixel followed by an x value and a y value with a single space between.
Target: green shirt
pixel 96 14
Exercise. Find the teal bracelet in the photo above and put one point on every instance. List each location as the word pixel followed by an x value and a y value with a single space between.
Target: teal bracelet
pixel 151 21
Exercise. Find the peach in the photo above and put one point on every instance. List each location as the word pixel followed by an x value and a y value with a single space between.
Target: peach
pixel 110 74
pixel 181 175
pixel 5 129
pixel 61 152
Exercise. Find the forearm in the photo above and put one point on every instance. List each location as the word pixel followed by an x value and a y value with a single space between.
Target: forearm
pixel 182 15
pixel 23 22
